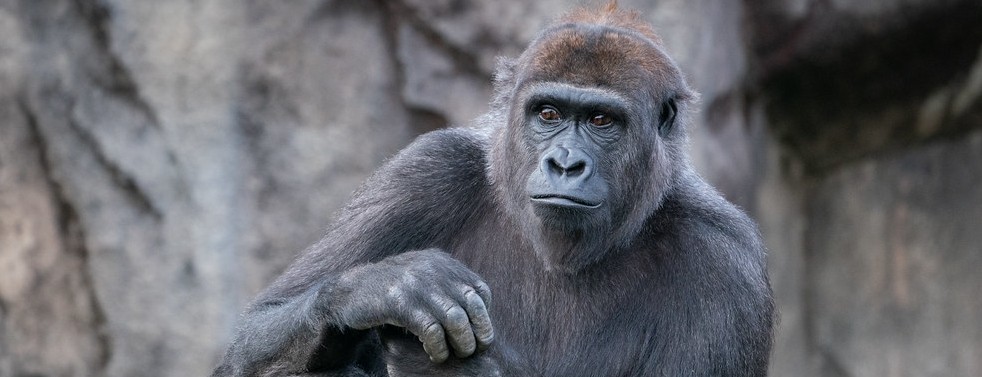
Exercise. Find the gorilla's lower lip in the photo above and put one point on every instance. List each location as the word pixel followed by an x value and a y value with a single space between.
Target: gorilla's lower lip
pixel 564 201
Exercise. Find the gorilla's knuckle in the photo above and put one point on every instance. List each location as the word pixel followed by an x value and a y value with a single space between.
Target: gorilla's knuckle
pixel 487 337
pixel 433 330
pixel 409 280
pixel 484 291
pixel 456 316
pixel 395 294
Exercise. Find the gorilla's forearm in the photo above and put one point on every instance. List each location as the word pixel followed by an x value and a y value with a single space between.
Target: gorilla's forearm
pixel 318 312
pixel 276 337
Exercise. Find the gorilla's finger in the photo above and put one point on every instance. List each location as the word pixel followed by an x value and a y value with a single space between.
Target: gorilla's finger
pixel 430 332
pixel 480 319
pixel 459 332
pixel 435 343
pixel 484 291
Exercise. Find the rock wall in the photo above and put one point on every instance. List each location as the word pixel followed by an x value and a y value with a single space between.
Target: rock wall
pixel 161 161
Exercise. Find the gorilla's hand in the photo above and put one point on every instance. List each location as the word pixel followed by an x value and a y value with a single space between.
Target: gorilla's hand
pixel 426 292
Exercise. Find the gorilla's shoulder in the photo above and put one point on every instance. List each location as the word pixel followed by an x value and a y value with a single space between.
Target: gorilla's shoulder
pixel 449 145
pixel 697 205
pixel 448 160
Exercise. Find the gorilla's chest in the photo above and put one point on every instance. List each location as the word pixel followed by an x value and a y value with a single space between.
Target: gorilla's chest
pixel 564 323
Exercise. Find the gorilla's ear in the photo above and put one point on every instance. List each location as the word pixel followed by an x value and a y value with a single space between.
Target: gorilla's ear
pixel 503 83
pixel 666 119
pixel 504 74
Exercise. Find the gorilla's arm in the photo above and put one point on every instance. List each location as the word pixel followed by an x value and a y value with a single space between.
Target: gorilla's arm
pixel 367 272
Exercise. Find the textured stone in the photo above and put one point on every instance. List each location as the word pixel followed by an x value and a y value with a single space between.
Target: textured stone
pixel 50 323
pixel 893 250
pixel 435 84
pixel 848 82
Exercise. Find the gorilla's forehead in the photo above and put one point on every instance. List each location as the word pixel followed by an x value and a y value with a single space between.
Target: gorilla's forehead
pixel 597 55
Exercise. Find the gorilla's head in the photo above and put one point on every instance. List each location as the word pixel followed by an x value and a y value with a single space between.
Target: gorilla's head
pixel 590 135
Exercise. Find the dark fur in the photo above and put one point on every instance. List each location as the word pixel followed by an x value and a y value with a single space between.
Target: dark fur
pixel 668 280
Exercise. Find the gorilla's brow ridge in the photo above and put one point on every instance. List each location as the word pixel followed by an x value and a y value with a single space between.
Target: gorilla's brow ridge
pixel 601 97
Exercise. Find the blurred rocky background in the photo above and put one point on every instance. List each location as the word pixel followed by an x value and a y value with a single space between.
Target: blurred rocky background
pixel 161 161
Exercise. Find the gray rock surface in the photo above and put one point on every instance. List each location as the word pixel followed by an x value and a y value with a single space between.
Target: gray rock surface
pixel 162 161
pixel 894 284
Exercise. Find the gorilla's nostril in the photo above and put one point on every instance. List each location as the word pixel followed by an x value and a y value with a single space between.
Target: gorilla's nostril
pixel 555 167
pixel 576 168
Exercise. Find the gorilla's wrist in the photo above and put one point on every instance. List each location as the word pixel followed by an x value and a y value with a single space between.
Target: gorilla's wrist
pixel 354 299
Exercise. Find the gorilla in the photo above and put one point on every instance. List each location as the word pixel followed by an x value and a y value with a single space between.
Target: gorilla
pixel 572 202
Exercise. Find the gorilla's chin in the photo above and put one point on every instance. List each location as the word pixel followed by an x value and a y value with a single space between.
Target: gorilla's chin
pixel 569 238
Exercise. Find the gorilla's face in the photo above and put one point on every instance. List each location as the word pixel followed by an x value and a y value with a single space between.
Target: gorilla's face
pixel 572 130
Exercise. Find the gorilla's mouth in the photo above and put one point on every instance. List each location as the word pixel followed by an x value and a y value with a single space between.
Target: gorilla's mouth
pixel 564 201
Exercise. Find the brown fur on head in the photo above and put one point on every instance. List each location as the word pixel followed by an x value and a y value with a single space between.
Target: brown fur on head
pixel 547 52
pixel 607 47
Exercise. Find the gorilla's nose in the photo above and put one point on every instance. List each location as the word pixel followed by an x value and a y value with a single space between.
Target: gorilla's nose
pixel 567 163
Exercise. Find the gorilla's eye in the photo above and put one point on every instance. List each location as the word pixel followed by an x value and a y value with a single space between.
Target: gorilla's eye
pixel 549 114
pixel 601 120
